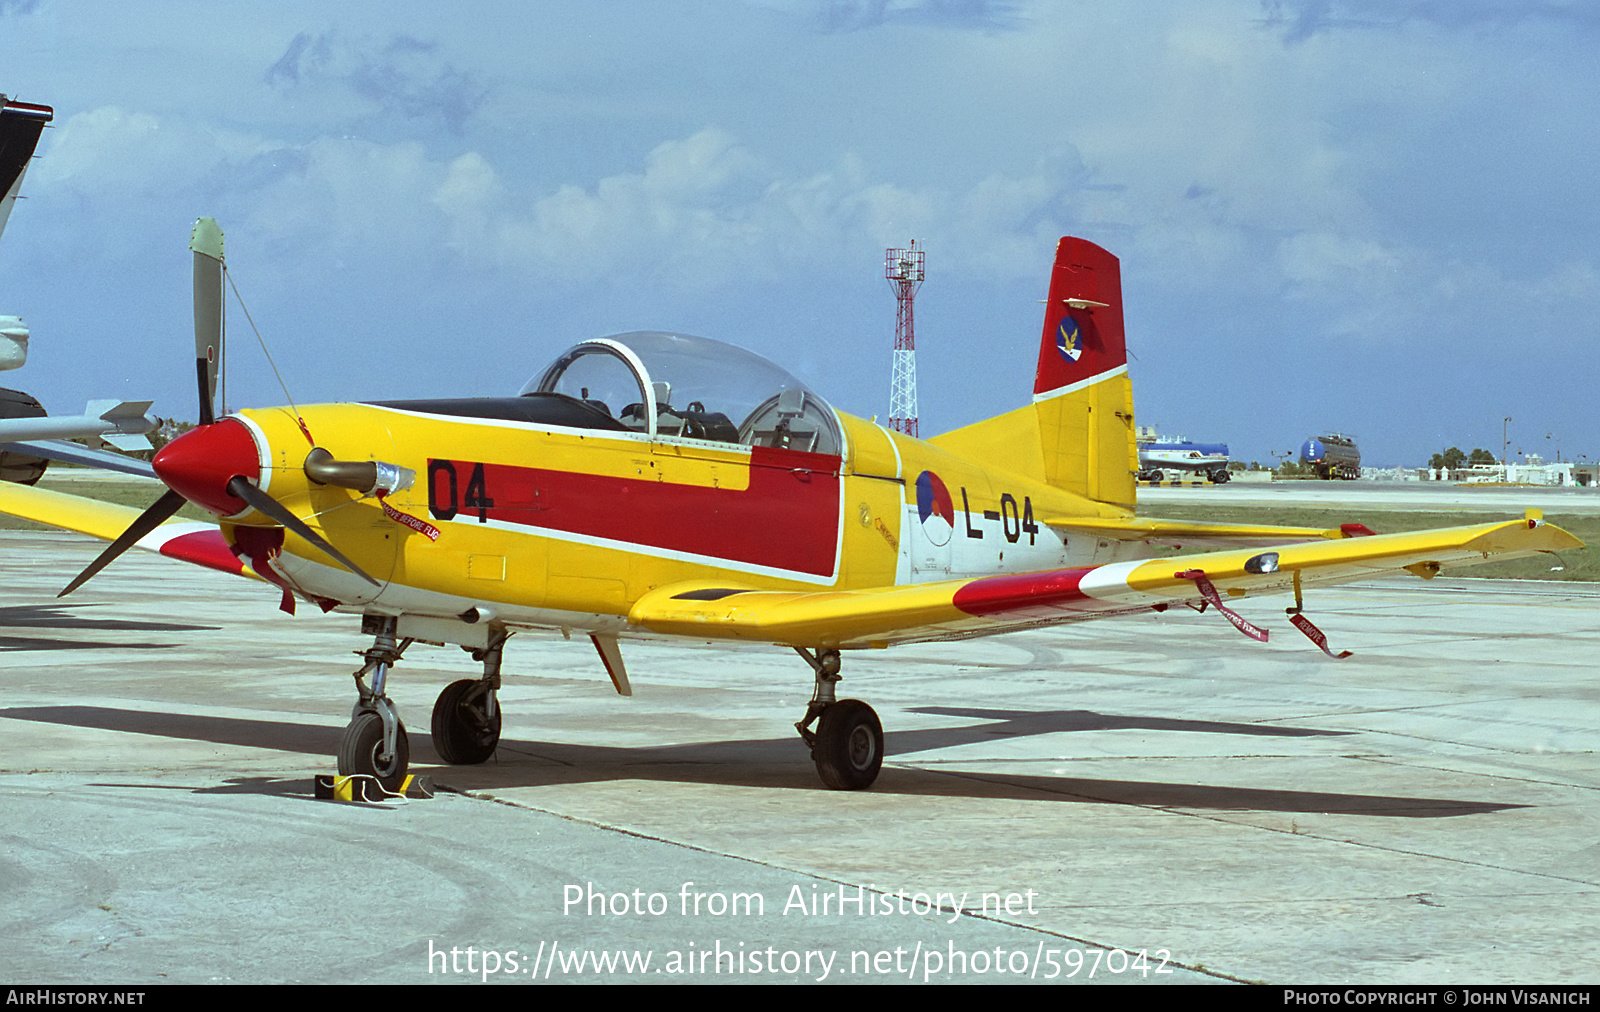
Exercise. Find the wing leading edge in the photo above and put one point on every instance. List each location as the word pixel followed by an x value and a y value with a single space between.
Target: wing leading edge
pixel 190 541
pixel 963 608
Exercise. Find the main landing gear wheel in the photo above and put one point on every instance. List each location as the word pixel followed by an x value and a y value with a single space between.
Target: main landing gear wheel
pixel 466 723
pixel 361 752
pixel 849 746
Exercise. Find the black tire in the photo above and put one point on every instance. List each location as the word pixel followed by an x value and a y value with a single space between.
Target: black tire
pixel 359 748
pixel 1157 475
pixel 849 746
pixel 461 734
pixel 1221 476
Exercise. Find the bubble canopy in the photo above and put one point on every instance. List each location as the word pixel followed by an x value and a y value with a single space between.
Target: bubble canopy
pixel 676 385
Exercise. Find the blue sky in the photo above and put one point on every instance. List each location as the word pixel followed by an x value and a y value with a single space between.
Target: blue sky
pixel 1375 217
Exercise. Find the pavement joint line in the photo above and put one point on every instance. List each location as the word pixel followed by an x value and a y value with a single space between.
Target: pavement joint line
pixel 1277 901
pixel 639 835
pixel 1189 813
pixel 1266 721
pixel 1345 841
pixel 1127 758
pixel 1394 761
pixel 1476 746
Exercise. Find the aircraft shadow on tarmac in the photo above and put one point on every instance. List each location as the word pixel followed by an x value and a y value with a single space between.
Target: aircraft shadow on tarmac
pixel 781 762
pixel 52 616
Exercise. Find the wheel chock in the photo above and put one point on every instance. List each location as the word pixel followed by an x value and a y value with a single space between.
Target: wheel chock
pixel 364 788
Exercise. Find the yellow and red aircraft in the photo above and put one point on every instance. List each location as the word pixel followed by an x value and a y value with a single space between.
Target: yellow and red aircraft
pixel 655 484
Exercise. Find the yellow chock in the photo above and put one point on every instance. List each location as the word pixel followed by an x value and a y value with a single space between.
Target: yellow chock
pixel 368 789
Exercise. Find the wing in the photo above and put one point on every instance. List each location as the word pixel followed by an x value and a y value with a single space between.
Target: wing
pixel 191 541
pixel 961 608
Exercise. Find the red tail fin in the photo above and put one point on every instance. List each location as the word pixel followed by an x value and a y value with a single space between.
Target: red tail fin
pixel 1083 320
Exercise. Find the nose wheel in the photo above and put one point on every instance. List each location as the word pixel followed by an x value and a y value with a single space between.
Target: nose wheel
pixel 375 743
pixel 847 745
pixel 362 751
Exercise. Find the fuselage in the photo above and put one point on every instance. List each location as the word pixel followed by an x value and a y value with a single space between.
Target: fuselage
pixel 566 526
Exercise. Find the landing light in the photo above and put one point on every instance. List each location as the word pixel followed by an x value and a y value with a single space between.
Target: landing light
pixel 1266 562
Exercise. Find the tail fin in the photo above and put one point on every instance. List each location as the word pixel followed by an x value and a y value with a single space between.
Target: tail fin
pixel 20 125
pixel 1081 392
pixel 1078 434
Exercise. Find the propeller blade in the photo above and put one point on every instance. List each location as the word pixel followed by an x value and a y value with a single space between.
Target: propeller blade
pixel 169 503
pixel 264 503
pixel 206 242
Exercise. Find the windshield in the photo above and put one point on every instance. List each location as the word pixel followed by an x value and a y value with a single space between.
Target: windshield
pixel 692 387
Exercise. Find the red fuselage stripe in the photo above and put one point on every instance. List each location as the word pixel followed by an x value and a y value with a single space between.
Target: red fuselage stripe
pixel 788 517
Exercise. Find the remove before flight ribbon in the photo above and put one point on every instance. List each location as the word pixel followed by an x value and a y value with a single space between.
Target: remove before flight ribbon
pixel 407 520
pixel 1209 592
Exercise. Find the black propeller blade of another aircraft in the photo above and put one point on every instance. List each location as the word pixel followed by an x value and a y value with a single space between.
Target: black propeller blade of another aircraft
pixel 169 504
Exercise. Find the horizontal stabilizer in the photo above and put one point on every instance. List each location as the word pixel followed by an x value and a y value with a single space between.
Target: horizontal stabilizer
pixel 1191 532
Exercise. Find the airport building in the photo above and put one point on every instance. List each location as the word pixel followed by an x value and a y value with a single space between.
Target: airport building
pixel 1534 470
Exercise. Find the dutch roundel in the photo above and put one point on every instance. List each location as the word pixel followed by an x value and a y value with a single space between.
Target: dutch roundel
pixel 935 508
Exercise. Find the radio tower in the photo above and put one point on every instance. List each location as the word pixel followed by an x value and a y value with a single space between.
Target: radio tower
pixel 904 269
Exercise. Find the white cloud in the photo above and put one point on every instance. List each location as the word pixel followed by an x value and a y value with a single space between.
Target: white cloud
pixel 1324 258
pixel 705 210
pixel 111 152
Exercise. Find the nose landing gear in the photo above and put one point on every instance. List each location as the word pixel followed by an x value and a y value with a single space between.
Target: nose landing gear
pixel 466 718
pixel 375 743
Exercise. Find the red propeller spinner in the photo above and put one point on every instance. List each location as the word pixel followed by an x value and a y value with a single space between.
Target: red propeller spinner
pixel 199 464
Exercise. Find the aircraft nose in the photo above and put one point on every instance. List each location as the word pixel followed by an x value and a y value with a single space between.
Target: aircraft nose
pixel 199 464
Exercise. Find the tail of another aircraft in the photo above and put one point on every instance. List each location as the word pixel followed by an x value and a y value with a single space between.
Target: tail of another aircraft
pixel 1078 433
pixel 20 125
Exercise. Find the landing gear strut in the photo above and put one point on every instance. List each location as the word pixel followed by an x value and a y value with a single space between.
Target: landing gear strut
pixel 375 743
pixel 847 745
pixel 466 718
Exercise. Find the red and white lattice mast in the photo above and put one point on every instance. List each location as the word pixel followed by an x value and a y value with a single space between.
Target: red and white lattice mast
pixel 904 269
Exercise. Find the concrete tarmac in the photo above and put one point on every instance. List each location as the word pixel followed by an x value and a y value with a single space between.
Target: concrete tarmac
pixel 1055 802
